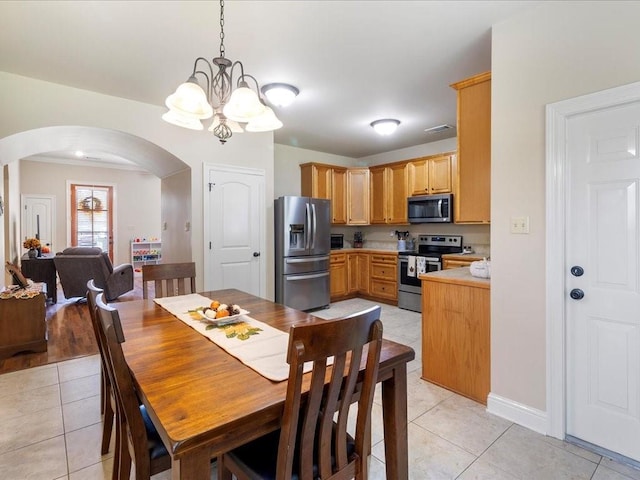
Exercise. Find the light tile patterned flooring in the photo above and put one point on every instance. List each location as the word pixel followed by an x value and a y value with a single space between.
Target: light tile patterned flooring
pixel 51 427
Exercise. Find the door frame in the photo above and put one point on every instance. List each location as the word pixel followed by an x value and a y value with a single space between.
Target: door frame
pixel 206 224
pixel 557 116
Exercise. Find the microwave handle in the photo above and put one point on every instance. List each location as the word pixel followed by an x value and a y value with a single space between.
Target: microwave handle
pixel 440 208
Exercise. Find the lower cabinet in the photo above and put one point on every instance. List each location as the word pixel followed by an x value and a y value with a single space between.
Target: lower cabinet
pixel 384 276
pixel 455 261
pixel 365 274
pixel 456 336
pixel 338 275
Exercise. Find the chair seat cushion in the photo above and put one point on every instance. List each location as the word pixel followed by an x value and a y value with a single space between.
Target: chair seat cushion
pixel 259 458
pixel 154 442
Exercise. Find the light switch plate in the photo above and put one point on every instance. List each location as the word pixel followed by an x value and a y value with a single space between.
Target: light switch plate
pixel 520 225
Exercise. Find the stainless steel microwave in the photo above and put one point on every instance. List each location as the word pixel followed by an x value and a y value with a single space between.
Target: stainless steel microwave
pixel 430 208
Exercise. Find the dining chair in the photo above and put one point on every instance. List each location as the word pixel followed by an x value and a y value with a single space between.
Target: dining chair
pixel 107 400
pixel 313 442
pixel 137 438
pixel 169 279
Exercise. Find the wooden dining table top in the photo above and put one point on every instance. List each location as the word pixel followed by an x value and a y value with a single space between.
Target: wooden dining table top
pixel 198 395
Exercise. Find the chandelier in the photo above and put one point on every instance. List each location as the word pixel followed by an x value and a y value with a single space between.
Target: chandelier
pixel 233 109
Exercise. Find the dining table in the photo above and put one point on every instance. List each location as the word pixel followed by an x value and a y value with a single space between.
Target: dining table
pixel 204 402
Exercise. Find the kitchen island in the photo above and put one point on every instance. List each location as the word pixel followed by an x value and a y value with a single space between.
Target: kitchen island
pixel 456 332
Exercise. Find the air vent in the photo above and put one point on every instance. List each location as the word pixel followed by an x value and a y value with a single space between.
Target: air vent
pixel 438 129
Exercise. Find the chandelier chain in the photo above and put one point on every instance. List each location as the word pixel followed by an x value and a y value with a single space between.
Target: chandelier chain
pixel 222 28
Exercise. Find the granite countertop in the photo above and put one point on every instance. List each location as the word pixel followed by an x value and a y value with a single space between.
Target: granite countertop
pixel 456 276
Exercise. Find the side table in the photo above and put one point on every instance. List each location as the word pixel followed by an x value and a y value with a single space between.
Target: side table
pixel 41 269
pixel 23 324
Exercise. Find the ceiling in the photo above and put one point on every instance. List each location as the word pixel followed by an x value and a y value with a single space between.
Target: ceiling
pixel 353 61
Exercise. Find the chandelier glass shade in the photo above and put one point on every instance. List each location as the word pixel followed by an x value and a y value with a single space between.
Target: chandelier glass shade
pixel 229 105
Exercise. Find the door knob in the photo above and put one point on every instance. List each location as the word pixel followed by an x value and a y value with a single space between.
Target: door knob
pixel 256 254
pixel 576 294
pixel 577 271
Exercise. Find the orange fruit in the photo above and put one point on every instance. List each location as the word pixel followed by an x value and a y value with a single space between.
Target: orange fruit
pixel 222 313
pixel 215 304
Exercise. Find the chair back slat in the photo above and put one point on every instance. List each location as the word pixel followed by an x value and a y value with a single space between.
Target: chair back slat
pixel 320 440
pixel 169 279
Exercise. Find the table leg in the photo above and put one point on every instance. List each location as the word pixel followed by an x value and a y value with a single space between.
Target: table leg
pixel 194 466
pixel 394 411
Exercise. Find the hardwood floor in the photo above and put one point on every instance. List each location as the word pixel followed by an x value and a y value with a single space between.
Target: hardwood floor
pixel 70 334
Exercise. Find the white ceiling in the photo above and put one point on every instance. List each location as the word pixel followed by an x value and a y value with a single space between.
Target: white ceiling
pixel 353 61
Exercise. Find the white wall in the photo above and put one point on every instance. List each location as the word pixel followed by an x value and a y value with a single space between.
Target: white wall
pixel 176 214
pixel 32 104
pixel 137 200
pixel 287 165
pixel 555 52
pixel 423 150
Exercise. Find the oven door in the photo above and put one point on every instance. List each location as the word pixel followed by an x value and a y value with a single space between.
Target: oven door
pixel 412 284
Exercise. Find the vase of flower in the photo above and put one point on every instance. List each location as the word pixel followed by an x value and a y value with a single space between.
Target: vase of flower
pixel 32 244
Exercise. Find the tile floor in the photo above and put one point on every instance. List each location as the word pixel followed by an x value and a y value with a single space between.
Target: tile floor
pixel 51 426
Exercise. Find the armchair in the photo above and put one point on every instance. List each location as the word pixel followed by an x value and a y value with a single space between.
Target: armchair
pixel 77 265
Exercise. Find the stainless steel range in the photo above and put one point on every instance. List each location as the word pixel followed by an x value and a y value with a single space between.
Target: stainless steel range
pixel 431 248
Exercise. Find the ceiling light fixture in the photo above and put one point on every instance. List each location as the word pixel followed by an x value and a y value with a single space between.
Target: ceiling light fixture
pixel 229 106
pixel 280 94
pixel 385 126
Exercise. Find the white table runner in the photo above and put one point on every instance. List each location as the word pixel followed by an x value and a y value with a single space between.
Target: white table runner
pixel 265 351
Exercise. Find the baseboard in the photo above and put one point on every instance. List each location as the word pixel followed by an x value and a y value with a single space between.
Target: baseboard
pixel 528 417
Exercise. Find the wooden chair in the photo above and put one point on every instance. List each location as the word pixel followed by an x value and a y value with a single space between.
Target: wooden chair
pixel 107 399
pixel 138 439
pixel 169 278
pixel 313 442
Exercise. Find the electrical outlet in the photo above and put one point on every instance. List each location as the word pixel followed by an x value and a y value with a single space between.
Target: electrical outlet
pixel 520 225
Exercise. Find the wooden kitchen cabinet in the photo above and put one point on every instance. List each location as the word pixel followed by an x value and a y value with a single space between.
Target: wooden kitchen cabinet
pixel 456 333
pixel 389 186
pixel 431 175
pixel 338 275
pixel 326 181
pixel 357 196
pixel 384 276
pixel 472 186
pixel 450 261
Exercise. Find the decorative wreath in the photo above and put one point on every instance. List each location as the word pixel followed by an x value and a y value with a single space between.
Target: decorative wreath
pixel 91 203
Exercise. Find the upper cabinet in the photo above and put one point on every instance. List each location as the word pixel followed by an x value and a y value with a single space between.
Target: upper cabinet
pixel 357 196
pixel 472 186
pixel 389 186
pixel 431 175
pixel 326 181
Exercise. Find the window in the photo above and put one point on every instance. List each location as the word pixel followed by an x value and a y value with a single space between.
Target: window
pixel 92 217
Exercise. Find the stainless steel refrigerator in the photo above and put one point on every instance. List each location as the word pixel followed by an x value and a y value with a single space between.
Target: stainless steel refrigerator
pixel 303 241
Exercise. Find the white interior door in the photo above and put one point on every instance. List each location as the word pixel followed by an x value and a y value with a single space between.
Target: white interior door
pixel 603 328
pixel 235 228
pixel 38 218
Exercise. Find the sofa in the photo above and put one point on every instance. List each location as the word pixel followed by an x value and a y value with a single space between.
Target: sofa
pixel 77 265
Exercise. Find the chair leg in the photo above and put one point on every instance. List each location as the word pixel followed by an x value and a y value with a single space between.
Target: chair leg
pixel 103 398
pixel 223 472
pixel 107 426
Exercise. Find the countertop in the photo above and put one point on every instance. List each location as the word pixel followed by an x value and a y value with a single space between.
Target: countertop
pixel 366 250
pixel 456 276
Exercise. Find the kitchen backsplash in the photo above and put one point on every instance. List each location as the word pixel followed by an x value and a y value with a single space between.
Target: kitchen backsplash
pixel 380 237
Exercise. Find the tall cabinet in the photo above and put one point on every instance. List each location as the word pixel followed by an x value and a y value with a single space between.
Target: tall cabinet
pixel 472 202
pixel 326 181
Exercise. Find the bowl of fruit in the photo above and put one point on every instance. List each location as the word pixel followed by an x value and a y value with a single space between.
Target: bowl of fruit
pixel 218 313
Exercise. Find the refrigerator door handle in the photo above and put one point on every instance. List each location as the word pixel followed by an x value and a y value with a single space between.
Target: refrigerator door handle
pixel 307 233
pixel 307 259
pixel 313 233
pixel 294 278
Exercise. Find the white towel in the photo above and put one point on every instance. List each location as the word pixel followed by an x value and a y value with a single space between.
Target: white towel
pixel 421 265
pixel 480 269
pixel 411 266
